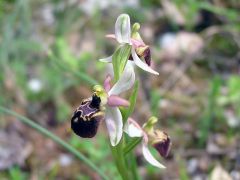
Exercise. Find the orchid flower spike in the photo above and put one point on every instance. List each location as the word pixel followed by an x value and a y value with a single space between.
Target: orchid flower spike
pixel 158 139
pixel 111 101
pixel 139 49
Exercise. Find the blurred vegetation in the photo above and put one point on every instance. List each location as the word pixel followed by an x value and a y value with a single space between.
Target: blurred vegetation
pixel 48 62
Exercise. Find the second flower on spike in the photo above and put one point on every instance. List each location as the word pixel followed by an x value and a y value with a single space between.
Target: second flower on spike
pixel 158 139
pixel 139 49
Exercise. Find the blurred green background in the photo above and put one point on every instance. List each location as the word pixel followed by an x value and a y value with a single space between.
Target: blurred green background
pixel 49 53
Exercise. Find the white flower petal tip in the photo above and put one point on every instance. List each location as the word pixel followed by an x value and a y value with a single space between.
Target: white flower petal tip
pixel 107 83
pixel 132 129
pixel 111 36
pixel 149 157
pixel 114 124
pixel 106 60
pixel 115 101
pixel 141 64
pixel 125 82
pixel 123 29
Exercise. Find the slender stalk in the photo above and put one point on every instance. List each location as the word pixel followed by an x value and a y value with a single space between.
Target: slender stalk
pixel 119 61
pixel 132 164
pixel 59 141
pixel 131 145
pixel 118 155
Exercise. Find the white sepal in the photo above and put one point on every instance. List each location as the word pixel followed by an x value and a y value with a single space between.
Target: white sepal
pixel 114 124
pixel 141 64
pixel 149 157
pixel 123 29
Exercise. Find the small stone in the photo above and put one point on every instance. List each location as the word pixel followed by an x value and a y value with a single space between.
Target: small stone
pixel 192 165
pixel 65 160
pixel 219 173
pixel 235 174
pixel 204 163
pixel 35 85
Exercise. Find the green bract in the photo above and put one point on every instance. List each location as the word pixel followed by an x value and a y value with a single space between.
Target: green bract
pixel 119 60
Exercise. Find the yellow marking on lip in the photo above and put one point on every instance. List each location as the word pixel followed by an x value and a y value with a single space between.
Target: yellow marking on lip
pixel 100 113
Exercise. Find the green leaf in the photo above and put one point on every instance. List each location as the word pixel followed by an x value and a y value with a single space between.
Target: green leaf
pixel 155 98
pixel 16 174
pixel 209 117
pixel 133 98
pixel 233 86
pixel 119 60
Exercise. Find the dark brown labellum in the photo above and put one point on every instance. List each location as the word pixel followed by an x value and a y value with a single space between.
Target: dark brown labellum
pixel 147 56
pixel 163 145
pixel 86 118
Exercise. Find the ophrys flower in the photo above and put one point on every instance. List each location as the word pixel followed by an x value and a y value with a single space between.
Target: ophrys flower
pixel 139 49
pixel 104 105
pixel 158 139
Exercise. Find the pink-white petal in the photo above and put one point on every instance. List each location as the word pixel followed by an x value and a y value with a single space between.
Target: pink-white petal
pixel 123 29
pixel 125 82
pixel 106 60
pixel 133 129
pixel 107 83
pixel 114 124
pixel 141 64
pixel 115 101
pixel 149 157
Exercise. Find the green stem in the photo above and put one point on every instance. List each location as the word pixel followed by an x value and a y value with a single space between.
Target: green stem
pixel 47 133
pixel 132 164
pixel 131 145
pixel 118 155
pixel 119 60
